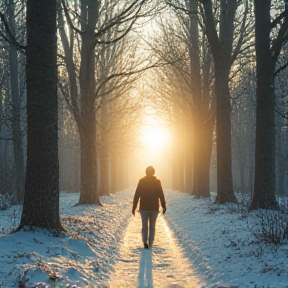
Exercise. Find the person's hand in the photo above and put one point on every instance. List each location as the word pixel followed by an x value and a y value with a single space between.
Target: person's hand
pixel 133 212
pixel 164 210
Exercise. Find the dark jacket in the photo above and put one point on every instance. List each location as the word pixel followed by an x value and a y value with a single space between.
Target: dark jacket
pixel 149 191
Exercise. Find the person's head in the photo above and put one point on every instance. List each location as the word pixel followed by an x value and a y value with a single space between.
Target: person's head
pixel 150 171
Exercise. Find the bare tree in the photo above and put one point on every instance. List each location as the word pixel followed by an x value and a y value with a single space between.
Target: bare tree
pixel 110 61
pixel 10 19
pixel 267 53
pixel 41 201
pixel 224 56
pixel 16 108
pixel 281 93
pixel 189 102
pixel 90 28
pixel 69 148
pixel 243 89
pixel 202 108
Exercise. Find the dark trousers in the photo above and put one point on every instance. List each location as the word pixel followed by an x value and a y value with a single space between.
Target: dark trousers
pixel 151 217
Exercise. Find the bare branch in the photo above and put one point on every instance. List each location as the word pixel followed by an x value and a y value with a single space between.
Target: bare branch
pixel 277 20
pixel 277 45
pixel 118 38
pixel 5 138
pixel 65 96
pixel 69 18
pixel 124 74
pixel 211 28
pixel 11 39
pixel 241 37
pixel 121 18
pixel 187 11
pixel 280 69
pixel 281 114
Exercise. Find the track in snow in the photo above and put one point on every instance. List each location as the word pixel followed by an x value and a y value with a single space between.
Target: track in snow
pixel 163 266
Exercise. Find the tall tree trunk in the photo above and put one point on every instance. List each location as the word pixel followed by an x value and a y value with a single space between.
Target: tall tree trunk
pixel 188 165
pixel 41 201
pixel 175 161
pixel 250 149
pixel 205 188
pixel 113 171
pixel 280 188
pixel 280 158
pixel 88 193
pixel 221 48
pixel 85 116
pixel 120 173
pixel 179 161
pixel 76 171
pixel 242 171
pixel 16 112
pixel 175 174
pixel 125 173
pixel 198 109
pixel 202 157
pixel 197 150
pixel 181 166
pixel 225 191
pixel 93 31
pixel 89 17
pixel 264 183
pixel 104 149
pixel 16 125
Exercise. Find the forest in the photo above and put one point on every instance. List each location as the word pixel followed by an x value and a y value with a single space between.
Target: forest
pixel 94 91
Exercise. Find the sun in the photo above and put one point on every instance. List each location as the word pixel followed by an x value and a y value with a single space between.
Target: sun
pixel 155 138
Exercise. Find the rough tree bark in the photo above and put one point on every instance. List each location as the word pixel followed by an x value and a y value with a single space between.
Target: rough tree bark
pixel 87 131
pixel 221 48
pixel 83 106
pixel 104 149
pixel 41 201
pixel 83 112
pixel 202 129
pixel 266 57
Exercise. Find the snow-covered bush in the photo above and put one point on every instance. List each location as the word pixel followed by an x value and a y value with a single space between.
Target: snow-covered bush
pixel 272 226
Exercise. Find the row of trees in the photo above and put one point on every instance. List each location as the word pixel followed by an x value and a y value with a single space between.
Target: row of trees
pixel 210 90
pixel 93 77
pixel 209 56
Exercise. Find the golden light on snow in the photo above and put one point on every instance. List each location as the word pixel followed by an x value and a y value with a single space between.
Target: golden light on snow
pixel 155 138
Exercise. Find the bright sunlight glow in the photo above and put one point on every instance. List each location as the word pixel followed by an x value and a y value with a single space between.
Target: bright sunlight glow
pixel 155 138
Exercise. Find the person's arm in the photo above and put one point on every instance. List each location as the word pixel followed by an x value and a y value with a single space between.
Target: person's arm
pixel 136 197
pixel 162 197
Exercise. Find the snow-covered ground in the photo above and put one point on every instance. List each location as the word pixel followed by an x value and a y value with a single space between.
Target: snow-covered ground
pixel 86 256
pixel 220 243
pixel 217 242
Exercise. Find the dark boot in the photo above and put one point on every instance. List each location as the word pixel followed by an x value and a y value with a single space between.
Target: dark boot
pixel 146 246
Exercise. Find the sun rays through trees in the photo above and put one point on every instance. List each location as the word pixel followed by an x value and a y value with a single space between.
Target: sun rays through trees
pixel 194 88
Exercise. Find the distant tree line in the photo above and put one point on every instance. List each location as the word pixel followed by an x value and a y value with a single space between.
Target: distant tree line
pixel 227 88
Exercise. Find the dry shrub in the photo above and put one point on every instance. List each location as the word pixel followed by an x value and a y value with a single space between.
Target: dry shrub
pixel 272 226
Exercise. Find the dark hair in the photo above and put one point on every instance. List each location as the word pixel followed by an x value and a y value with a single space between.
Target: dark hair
pixel 150 171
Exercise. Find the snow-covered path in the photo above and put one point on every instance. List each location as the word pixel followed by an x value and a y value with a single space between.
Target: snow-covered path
pixel 162 266
pixel 213 246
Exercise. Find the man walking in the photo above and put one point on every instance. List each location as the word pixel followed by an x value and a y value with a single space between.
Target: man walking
pixel 149 191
